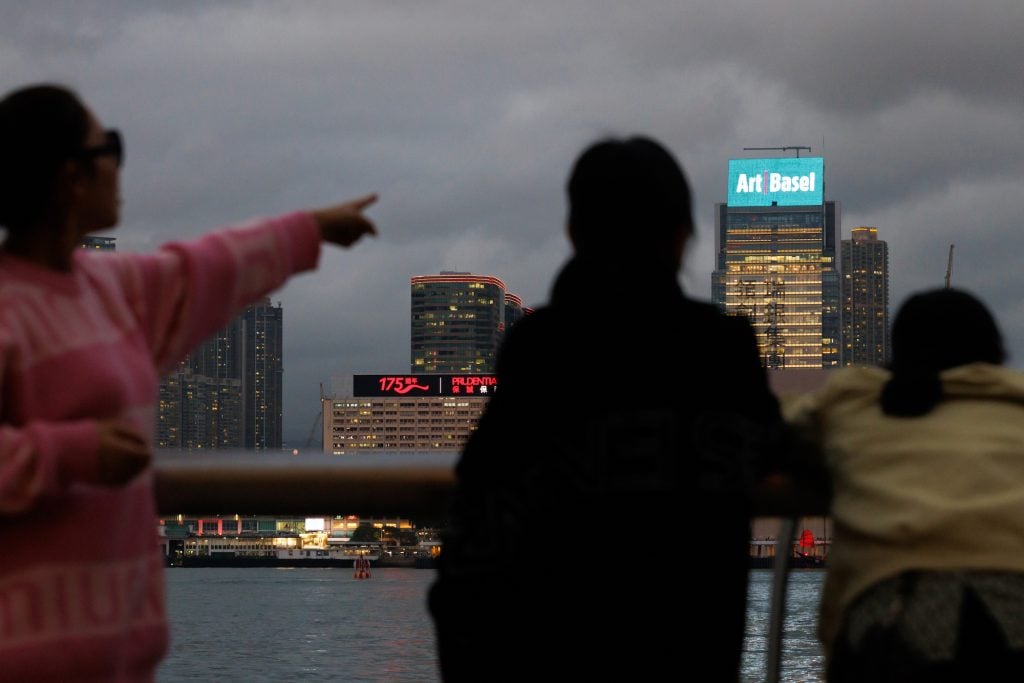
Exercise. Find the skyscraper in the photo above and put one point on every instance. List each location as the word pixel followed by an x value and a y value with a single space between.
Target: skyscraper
pixel 228 392
pixel 262 352
pixel 865 295
pixel 458 320
pixel 514 309
pixel 775 243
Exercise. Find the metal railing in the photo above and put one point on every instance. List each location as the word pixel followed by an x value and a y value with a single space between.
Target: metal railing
pixel 413 484
pixel 255 482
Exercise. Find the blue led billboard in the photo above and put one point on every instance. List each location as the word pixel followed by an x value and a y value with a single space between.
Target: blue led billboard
pixel 776 182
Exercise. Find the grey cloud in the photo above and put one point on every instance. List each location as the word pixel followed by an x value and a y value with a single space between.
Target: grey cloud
pixel 466 118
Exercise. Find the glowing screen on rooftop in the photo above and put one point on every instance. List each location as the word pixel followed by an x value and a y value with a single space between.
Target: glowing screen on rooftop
pixel 776 182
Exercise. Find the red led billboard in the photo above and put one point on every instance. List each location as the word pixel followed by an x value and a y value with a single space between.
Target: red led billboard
pixel 424 385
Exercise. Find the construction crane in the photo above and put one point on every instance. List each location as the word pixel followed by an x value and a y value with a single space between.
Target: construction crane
pixel 781 149
pixel 949 266
pixel 316 420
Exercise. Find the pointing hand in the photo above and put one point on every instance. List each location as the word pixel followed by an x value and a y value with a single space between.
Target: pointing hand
pixel 344 224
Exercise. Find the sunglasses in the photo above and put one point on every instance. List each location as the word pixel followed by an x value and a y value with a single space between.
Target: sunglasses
pixel 112 146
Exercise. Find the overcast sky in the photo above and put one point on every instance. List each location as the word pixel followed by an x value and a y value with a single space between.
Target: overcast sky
pixel 466 116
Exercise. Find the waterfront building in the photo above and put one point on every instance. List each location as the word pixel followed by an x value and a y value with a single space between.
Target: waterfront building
pixel 97 242
pixel 265 540
pixel 319 527
pixel 458 321
pixel 865 296
pixel 228 392
pixel 406 413
pixel 775 243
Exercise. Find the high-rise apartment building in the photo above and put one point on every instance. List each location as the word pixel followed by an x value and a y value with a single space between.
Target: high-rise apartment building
pixel 228 392
pixel 262 351
pixel 458 321
pixel 195 411
pixel 775 243
pixel 865 296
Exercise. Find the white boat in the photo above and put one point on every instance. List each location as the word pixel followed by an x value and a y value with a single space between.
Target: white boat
pixel 278 550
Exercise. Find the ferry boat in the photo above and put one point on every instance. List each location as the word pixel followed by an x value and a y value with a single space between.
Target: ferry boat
pixel 277 550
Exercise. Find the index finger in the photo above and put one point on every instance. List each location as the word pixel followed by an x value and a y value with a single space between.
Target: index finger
pixel 364 201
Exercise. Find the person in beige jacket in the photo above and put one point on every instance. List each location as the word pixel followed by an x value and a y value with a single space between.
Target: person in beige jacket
pixel 926 459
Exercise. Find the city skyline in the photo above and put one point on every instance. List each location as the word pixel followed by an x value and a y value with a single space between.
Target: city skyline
pixel 467 124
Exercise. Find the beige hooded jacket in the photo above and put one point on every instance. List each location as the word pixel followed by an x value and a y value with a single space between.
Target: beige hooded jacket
pixel 944 491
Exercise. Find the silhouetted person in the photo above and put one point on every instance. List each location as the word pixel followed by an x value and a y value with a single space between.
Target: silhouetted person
pixel 600 527
pixel 84 338
pixel 926 574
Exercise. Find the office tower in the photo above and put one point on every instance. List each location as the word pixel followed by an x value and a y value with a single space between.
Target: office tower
pixel 100 243
pixel 228 392
pixel 865 295
pixel 775 242
pixel 514 309
pixel 458 320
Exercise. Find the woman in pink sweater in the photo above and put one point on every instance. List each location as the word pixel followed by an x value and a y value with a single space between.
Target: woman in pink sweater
pixel 84 339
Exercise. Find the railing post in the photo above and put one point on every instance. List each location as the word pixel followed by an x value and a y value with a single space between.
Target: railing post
pixel 777 616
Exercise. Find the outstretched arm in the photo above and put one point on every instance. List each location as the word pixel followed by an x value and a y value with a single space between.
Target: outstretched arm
pixel 186 291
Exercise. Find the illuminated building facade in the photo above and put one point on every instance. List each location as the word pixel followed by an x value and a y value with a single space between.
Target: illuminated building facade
pixel 458 321
pixel 865 295
pixel 406 413
pixel 99 243
pixel 776 263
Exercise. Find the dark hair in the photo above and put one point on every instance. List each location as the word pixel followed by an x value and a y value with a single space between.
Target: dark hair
pixel 934 331
pixel 41 126
pixel 627 194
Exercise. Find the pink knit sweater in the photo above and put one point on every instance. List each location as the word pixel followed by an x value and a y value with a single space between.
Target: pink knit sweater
pixel 81 578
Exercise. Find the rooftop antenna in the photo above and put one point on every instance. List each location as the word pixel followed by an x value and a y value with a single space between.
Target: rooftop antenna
pixel 949 266
pixel 782 149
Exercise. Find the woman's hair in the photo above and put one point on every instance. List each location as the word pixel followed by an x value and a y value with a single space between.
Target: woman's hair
pixel 627 194
pixel 934 331
pixel 41 126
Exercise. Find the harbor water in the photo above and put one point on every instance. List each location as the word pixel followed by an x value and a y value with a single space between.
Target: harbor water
pixel 802 657
pixel 280 625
